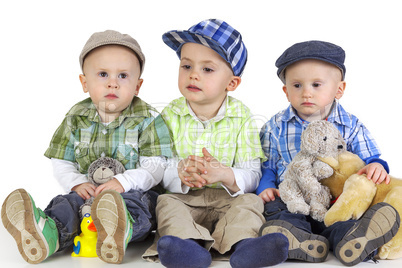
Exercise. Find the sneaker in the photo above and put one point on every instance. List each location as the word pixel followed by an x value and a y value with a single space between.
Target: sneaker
pixel 114 225
pixel 35 233
pixel 377 226
pixel 302 245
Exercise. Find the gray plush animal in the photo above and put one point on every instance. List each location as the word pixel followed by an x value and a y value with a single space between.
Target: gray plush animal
pixel 300 189
pixel 101 171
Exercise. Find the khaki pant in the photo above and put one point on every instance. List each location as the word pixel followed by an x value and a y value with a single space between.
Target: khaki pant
pixel 210 215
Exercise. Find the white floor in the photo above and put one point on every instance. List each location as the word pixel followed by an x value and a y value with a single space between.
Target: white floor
pixel 10 257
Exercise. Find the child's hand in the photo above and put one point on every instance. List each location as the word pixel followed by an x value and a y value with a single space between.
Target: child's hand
pixel 85 190
pixel 375 172
pixel 189 172
pixel 269 194
pixel 113 184
pixel 215 171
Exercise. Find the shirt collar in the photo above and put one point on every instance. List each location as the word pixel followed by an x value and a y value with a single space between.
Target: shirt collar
pixel 229 108
pixel 86 108
pixel 340 116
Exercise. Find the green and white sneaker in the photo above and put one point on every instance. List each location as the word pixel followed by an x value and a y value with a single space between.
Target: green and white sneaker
pixel 114 225
pixel 35 233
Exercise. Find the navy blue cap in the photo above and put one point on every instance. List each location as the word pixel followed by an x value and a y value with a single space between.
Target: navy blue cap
pixel 215 34
pixel 318 50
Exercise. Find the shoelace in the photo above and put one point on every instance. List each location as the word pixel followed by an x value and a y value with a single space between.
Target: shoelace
pixel 371 256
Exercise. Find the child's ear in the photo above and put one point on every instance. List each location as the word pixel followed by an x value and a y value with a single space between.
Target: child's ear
pixel 139 84
pixel 83 81
pixel 285 90
pixel 234 83
pixel 341 90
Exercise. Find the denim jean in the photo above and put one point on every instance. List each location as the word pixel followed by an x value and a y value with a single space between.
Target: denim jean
pixel 64 210
pixel 277 210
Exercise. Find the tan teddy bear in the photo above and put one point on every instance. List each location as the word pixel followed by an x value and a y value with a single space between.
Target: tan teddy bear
pixel 355 194
pixel 301 189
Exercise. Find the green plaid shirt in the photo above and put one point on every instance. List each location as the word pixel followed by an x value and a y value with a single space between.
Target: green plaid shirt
pixel 82 138
pixel 231 138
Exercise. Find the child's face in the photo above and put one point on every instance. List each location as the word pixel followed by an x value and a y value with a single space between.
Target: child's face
pixel 312 86
pixel 204 79
pixel 111 77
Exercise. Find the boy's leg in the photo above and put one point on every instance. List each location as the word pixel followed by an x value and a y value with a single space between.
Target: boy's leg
pixel 303 244
pixel 113 224
pixel 65 211
pixel 267 250
pixel 237 230
pixel 141 206
pixel 181 220
pixel 35 233
pixel 377 226
pixel 240 218
pixel 176 252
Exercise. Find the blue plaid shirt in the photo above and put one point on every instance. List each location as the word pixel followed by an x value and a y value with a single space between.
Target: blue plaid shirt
pixel 280 139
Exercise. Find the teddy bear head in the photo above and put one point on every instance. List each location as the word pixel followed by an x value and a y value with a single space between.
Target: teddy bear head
pixel 322 139
pixel 103 169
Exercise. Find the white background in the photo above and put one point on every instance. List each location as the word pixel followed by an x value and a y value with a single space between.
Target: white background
pixel 41 40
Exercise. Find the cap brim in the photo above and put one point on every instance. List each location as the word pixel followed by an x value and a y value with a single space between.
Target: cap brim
pixel 138 52
pixel 281 70
pixel 176 39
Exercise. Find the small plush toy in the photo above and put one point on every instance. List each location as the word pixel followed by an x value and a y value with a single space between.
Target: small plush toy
pixel 85 243
pixel 101 171
pixel 301 189
pixel 355 194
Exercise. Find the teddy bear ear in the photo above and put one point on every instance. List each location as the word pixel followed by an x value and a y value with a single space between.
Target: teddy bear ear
pixel 309 143
pixel 118 166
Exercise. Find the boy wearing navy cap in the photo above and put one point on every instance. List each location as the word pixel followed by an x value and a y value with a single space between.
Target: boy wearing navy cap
pixel 211 205
pixel 313 74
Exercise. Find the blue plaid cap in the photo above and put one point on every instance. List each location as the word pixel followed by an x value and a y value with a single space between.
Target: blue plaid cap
pixel 215 34
pixel 318 50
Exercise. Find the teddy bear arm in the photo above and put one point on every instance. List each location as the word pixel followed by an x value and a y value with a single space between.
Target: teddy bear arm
pixel 322 170
pixel 358 193
pixel 320 203
pixel 292 196
pixel 393 249
pixel 303 173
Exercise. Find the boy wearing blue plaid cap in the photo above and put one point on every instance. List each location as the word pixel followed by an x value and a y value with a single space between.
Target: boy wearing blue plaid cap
pixel 211 206
pixel 313 74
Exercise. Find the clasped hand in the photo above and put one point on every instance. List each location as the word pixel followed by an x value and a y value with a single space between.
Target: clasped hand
pixel 87 190
pixel 198 171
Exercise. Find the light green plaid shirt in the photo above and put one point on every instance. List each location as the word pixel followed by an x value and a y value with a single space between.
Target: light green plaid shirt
pixel 231 138
pixel 138 131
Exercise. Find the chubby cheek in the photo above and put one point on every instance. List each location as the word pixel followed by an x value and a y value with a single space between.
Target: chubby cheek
pixel 181 81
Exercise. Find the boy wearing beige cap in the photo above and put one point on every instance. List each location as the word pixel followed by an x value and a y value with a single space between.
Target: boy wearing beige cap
pixel 114 122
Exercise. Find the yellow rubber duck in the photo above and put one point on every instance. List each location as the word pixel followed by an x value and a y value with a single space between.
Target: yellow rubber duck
pixel 85 243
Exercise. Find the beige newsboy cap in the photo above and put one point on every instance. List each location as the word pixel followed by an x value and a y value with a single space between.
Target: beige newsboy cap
pixel 110 37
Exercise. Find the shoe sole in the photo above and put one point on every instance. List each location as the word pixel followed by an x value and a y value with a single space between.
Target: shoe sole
pixel 302 245
pixel 109 216
pixel 19 220
pixel 378 225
